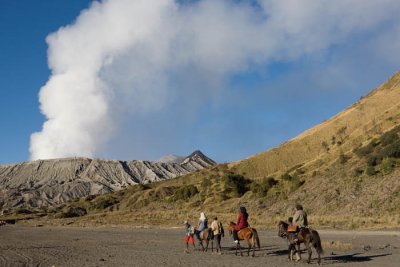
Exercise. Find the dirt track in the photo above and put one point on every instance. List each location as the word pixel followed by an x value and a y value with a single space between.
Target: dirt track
pixel 50 246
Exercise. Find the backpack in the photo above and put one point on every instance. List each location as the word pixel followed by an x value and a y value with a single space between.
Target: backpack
pixel 191 230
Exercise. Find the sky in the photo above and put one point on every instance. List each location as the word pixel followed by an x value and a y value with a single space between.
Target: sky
pixel 136 79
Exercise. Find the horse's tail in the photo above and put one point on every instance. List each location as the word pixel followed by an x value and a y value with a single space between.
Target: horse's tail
pixel 316 241
pixel 256 238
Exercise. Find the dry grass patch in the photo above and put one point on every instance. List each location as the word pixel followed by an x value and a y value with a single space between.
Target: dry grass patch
pixel 337 245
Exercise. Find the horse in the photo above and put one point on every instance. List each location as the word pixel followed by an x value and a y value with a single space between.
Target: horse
pixel 205 235
pixel 250 235
pixel 308 236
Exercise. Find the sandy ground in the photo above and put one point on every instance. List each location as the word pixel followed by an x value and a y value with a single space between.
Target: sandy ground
pixel 69 246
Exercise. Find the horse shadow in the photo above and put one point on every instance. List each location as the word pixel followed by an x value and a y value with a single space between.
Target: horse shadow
pixel 232 249
pixel 355 257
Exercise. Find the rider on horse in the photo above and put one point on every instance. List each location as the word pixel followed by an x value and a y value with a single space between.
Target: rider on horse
pixel 300 221
pixel 241 223
pixel 201 225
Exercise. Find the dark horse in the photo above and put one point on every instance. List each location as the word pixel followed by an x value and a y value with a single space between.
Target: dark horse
pixel 249 234
pixel 309 236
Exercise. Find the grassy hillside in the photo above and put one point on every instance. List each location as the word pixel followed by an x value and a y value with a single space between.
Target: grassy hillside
pixel 345 172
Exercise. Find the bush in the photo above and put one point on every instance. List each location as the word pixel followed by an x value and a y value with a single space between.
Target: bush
pixel 185 192
pixel 261 189
pixel 23 211
pixel 357 171
pixel 71 212
pixel 286 177
pixel 295 183
pixel 370 170
pixel 389 138
pixel 342 158
pixel 391 151
pixel 388 165
pixel 366 150
pixel 103 202
pixel 372 160
pixel 237 184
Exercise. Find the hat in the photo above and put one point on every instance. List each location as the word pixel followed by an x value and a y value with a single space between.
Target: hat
pixel 185 222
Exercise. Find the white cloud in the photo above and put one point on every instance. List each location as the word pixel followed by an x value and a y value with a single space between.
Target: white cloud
pixel 135 57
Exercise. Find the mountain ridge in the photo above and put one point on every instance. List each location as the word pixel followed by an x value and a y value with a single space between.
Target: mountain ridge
pixel 45 183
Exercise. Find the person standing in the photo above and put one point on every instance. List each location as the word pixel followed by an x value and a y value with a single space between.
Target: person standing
pixel 218 231
pixel 189 232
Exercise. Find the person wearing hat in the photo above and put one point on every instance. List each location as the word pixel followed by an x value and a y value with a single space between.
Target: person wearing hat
pixel 189 232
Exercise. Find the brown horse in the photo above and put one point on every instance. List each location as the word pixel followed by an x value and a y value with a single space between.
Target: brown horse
pixel 249 234
pixel 309 236
pixel 205 235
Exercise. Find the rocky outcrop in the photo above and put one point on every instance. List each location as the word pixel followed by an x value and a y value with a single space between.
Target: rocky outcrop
pixel 47 183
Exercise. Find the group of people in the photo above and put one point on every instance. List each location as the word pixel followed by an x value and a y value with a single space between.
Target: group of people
pixel 217 231
pixel 299 220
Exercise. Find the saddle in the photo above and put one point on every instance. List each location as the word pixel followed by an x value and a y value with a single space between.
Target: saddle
pixel 294 231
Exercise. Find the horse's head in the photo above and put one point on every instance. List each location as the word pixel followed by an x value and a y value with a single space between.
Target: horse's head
pixel 282 229
pixel 231 227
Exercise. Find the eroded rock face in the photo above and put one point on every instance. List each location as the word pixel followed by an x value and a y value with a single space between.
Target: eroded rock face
pixel 47 183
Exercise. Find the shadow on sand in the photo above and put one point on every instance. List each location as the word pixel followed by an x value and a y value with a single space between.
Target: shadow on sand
pixel 355 257
pixel 262 249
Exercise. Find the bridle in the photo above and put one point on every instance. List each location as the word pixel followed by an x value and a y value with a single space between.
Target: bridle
pixel 282 231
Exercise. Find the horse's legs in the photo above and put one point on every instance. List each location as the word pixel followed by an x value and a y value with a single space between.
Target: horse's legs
pixel 248 250
pixel 240 249
pixel 308 245
pixel 254 247
pixel 292 250
pixel 298 252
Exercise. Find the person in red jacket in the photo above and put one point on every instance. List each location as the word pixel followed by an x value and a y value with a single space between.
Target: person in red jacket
pixel 241 223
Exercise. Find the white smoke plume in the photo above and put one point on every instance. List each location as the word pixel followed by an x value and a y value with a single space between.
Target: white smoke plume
pixel 136 56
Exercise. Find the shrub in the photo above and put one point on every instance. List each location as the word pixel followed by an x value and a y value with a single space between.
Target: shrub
pixel 286 177
pixel 370 170
pixel 391 151
pixel 357 171
pixel 261 189
pixel 295 183
pixel 342 158
pixel 103 202
pixel 185 192
pixel 366 150
pixel 372 160
pixel 236 183
pixel 388 165
pixel 389 138
pixel 71 212
pixel 205 183
pixel 23 211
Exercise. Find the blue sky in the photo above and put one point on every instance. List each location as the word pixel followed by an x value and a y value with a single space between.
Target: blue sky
pixel 24 26
pixel 230 107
